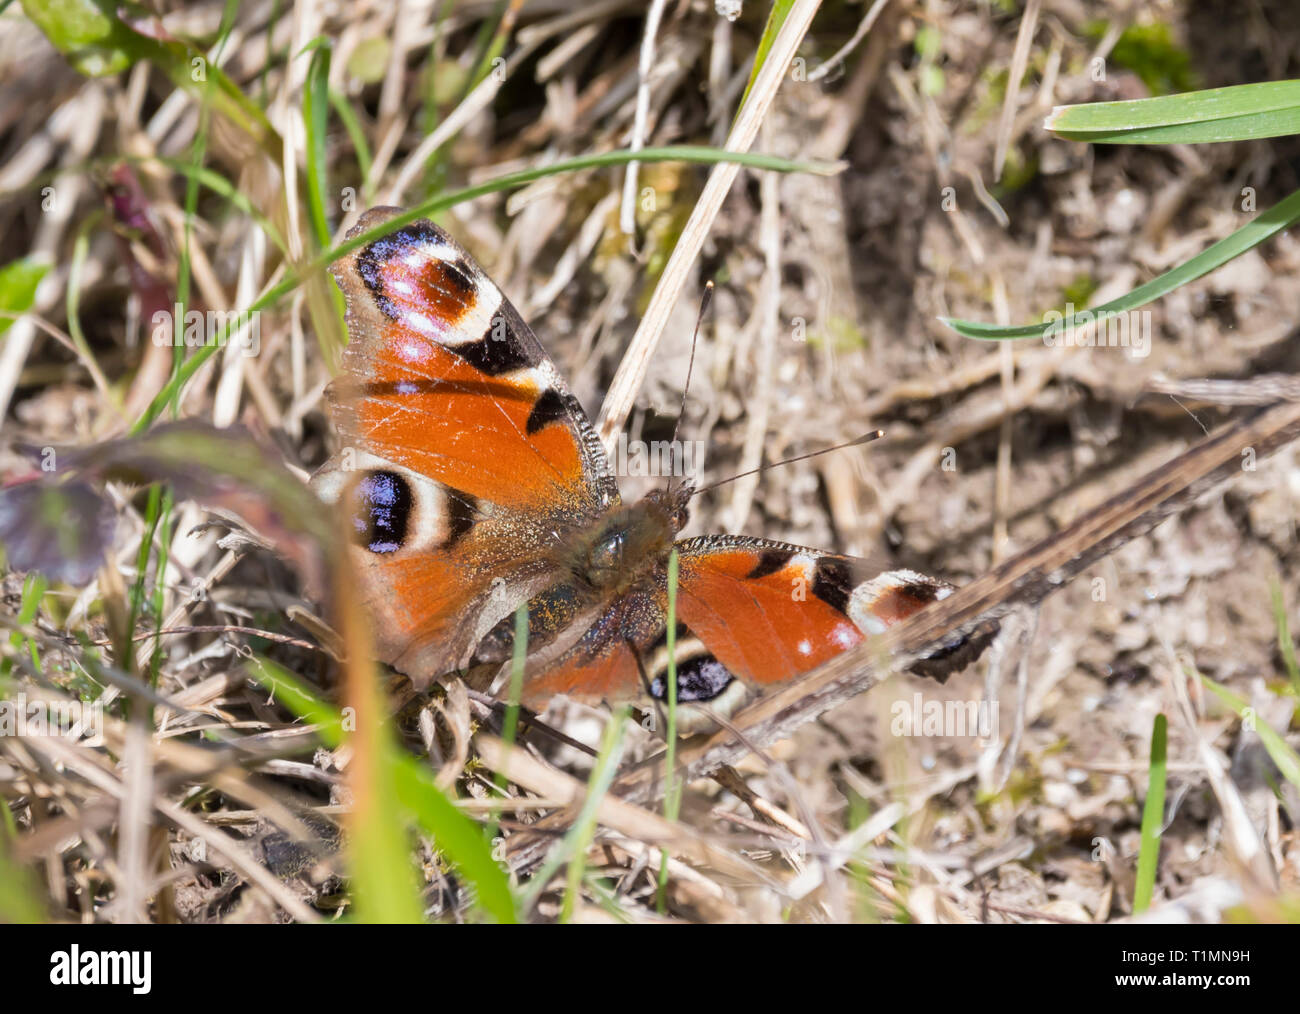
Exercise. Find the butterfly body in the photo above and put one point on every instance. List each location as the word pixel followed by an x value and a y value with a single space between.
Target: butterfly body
pixel 620 554
pixel 475 483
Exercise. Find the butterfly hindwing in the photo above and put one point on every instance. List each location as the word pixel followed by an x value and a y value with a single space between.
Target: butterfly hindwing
pixel 752 610
pixel 769 611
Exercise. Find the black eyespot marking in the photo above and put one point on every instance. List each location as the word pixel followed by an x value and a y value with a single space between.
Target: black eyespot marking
pixel 381 511
pixel 922 592
pixel 439 286
pixel 699 679
pixel 769 562
pixel 833 583
pixel 499 351
pixel 462 512
pixel 456 276
pixel 550 407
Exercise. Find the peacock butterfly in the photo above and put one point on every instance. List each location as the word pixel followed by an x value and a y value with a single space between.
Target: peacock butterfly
pixel 474 482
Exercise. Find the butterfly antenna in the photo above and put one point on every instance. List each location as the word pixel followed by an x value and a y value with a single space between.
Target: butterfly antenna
pixel 705 300
pixel 864 439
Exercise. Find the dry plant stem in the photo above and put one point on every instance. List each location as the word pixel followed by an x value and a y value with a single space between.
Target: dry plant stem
pixel 965 421
pixel 627 213
pixel 845 849
pixel 68 185
pixel 223 771
pixel 133 820
pixel 364 695
pixel 1241 837
pixel 241 859
pixel 842 53
pixel 1002 487
pixel 474 104
pixel 223 567
pixel 1019 60
pixel 729 778
pixel 632 370
pixel 641 825
pixel 1261 389
pixel 1025 578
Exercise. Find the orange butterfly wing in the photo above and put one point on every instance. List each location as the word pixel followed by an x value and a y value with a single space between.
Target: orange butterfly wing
pixel 442 376
pixel 463 454
pixel 765 612
pixel 770 611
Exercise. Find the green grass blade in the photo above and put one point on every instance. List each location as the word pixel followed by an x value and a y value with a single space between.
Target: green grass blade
pixel 19 901
pixel 223 188
pixel 583 831
pixel 775 21
pixel 325 302
pixel 1153 816
pixel 348 117
pixel 95 40
pixel 160 506
pixel 510 729
pixel 316 116
pixel 1237 113
pixel 1281 753
pixel 385 888
pixel 458 837
pixel 136 598
pixel 573 846
pixel 519 654
pixel 489 44
pixel 18 282
pixel 34 586
pixel 1267 224
pixel 72 307
pixel 608 900
pixel 160 585
pixel 1285 646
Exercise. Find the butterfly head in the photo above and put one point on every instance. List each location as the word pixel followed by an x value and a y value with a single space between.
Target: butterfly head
pixel 674 502
pixel 630 541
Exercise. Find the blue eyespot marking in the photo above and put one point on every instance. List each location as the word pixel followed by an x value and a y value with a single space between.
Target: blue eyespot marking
pixel 381 511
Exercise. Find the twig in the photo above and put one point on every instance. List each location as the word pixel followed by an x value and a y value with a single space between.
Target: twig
pixel 1262 389
pixel 852 44
pixel 627 212
pixel 1019 60
pixel 768 312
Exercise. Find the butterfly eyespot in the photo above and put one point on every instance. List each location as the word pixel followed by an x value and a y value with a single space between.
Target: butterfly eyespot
pixel 699 679
pixel 381 511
